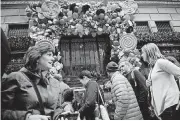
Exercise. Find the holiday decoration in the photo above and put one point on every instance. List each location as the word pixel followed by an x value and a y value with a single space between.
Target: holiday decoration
pixel 128 41
pixel 129 6
pixel 49 20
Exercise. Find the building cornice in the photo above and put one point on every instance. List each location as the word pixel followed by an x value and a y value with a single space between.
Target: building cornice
pixel 140 3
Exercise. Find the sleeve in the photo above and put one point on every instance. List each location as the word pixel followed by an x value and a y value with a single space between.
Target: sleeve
pixel 141 80
pixel 8 93
pixel 90 99
pixel 169 67
pixel 121 93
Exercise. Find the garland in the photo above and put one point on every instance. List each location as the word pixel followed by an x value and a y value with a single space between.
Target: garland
pixel 50 20
pixel 20 43
pixel 166 37
pixel 24 42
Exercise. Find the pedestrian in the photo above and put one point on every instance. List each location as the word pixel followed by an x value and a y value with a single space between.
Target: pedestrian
pixel 138 83
pixel 68 101
pixel 90 97
pixel 125 101
pixel 163 87
pixel 62 86
pixel 31 93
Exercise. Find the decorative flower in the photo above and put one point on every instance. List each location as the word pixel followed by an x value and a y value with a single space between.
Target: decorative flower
pixel 80 19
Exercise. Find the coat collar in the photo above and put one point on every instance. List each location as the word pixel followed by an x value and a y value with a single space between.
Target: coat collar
pixel 113 75
pixel 38 79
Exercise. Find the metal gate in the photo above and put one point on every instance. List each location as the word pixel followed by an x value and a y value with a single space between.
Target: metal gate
pixel 84 53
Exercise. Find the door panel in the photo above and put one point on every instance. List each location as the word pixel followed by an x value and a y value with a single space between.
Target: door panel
pixel 83 53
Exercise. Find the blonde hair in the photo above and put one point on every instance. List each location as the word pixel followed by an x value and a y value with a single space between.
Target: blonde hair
pixel 127 63
pixel 152 53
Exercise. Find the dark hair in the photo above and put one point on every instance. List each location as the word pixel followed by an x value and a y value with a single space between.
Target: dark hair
pixel 115 58
pixel 68 95
pixel 85 73
pixel 35 52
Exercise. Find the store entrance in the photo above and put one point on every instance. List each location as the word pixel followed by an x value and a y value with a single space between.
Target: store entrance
pixel 84 53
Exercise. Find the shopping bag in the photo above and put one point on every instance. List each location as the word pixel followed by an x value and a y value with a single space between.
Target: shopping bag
pixel 103 110
pixel 104 113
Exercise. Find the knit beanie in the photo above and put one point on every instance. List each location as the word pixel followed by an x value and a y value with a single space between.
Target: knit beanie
pixel 112 67
pixel 34 52
pixel 45 45
pixel 85 73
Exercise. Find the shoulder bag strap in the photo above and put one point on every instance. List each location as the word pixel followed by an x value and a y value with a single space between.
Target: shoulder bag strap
pixel 100 96
pixel 37 93
pixel 133 77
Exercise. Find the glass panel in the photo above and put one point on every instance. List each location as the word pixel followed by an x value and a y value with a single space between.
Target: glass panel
pixel 18 30
pixel 142 27
pixel 163 26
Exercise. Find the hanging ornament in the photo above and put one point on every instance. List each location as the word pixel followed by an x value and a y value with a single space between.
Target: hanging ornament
pixel 69 13
pixel 128 41
pixel 75 15
pixel 100 30
pixel 50 9
pixel 129 6
pixel 118 19
pixel 86 31
pixel 62 21
pixel 55 42
pixel 101 16
pixel 40 16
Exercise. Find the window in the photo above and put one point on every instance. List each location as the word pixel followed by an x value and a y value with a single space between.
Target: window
pixel 163 26
pixel 142 27
pixel 84 53
pixel 18 30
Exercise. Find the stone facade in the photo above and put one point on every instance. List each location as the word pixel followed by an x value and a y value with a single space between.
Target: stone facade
pixel 168 11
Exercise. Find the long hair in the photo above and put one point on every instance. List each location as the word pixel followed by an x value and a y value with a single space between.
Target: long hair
pixel 152 53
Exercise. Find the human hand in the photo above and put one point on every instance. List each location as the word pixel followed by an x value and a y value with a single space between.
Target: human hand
pixel 38 117
pixel 67 112
pixel 76 112
pixel 148 83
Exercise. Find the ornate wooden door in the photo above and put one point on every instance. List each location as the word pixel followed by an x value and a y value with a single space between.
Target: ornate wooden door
pixel 84 53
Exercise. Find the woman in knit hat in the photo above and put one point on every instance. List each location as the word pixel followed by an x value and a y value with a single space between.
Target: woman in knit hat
pixel 31 93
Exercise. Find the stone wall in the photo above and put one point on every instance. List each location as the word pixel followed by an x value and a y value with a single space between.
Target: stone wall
pixel 12 16
pixel 144 13
pixel 153 14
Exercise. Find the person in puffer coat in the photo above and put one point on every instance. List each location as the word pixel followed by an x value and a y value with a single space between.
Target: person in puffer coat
pixel 126 105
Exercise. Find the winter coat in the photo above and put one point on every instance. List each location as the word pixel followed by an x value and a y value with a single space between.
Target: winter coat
pixel 63 86
pixel 138 83
pixel 90 96
pixel 126 104
pixel 19 96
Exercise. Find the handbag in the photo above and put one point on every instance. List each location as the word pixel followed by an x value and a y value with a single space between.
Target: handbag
pixel 102 109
